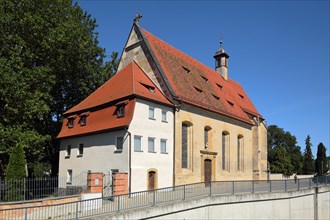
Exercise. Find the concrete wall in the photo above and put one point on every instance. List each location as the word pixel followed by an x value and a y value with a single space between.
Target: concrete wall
pixel 284 205
pixel 144 161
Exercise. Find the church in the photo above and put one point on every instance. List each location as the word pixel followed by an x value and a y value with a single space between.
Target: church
pixel 165 119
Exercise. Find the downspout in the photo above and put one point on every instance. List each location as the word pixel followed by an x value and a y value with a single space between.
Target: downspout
pixel 174 148
pixel 129 161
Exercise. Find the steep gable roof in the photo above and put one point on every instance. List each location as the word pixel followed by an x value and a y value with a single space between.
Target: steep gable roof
pixel 194 83
pixel 101 106
pixel 131 80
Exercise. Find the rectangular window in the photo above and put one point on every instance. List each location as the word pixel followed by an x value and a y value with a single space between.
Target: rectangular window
pixel 69 177
pixel 68 151
pixel 224 151
pixel 151 113
pixel 240 158
pixel 163 146
pixel 80 150
pixel 151 144
pixel 137 143
pixel 119 144
pixel 164 116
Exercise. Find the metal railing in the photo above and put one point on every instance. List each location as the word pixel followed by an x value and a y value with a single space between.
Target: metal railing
pixel 113 204
pixel 38 188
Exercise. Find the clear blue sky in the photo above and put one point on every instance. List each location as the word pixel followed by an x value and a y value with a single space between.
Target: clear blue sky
pixel 279 50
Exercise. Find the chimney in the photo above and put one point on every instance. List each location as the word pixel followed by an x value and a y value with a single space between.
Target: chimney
pixel 221 62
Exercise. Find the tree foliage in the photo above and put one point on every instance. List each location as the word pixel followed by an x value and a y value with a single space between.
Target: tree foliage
pixel 321 162
pixel 308 166
pixel 49 61
pixel 284 156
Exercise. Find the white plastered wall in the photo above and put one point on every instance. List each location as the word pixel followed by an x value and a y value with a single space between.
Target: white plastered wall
pixel 143 161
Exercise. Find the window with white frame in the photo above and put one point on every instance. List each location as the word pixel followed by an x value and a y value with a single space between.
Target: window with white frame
pixel 119 144
pixel 68 151
pixel 151 144
pixel 80 150
pixel 164 116
pixel 151 113
pixel 69 177
pixel 137 143
pixel 163 148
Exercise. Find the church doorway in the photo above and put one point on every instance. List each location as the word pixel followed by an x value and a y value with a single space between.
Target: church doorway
pixel 207 171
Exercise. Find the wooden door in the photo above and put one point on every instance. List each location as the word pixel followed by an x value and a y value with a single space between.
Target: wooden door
pixel 207 172
pixel 151 180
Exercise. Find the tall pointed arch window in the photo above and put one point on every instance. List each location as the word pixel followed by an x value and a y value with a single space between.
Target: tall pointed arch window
pixel 186 145
pixel 240 152
pixel 225 150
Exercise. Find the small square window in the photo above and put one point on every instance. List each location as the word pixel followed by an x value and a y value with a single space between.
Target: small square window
pixel 164 116
pixel 151 145
pixel 70 122
pixel 119 144
pixel 151 113
pixel 69 177
pixel 120 111
pixel 137 143
pixel 82 120
pixel 163 149
pixel 68 151
pixel 80 150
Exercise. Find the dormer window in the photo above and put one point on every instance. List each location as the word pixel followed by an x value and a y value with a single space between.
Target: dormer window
pixel 240 95
pixel 120 111
pixel 71 121
pixel 204 78
pixel 186 69
pixel 198 89
pixel 216 97
pixel 150 88
pixel 219 86
pixel 230 103
pixel 82 120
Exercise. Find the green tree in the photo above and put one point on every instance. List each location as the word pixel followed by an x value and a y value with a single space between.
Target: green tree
pixel 321 162
pixel 15 173
pixel 281 163
pixel 279 140
pixel 308 166
pixel 49 61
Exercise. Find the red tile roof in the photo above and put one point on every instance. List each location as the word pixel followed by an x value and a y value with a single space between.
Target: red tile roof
pixel 194 83
pixel 129 83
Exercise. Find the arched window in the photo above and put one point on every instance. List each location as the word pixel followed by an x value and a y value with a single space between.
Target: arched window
pixel 225 149
pixel 207 131
pixel 186 144
pixel 240 152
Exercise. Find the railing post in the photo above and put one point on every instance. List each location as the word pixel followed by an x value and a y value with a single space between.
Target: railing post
pixel 270 186
pixel 77 210
pixel 118 207
pixel 25 214
pixel 210 188
pixel 317 181
pixel 252 186
pixel 298 184
pixel 184 192
pixel 153 198
pixel 233 187
pixel 310 182
pixel 285 186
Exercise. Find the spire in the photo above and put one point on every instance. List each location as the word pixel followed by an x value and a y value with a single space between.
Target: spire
pixel 221 60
